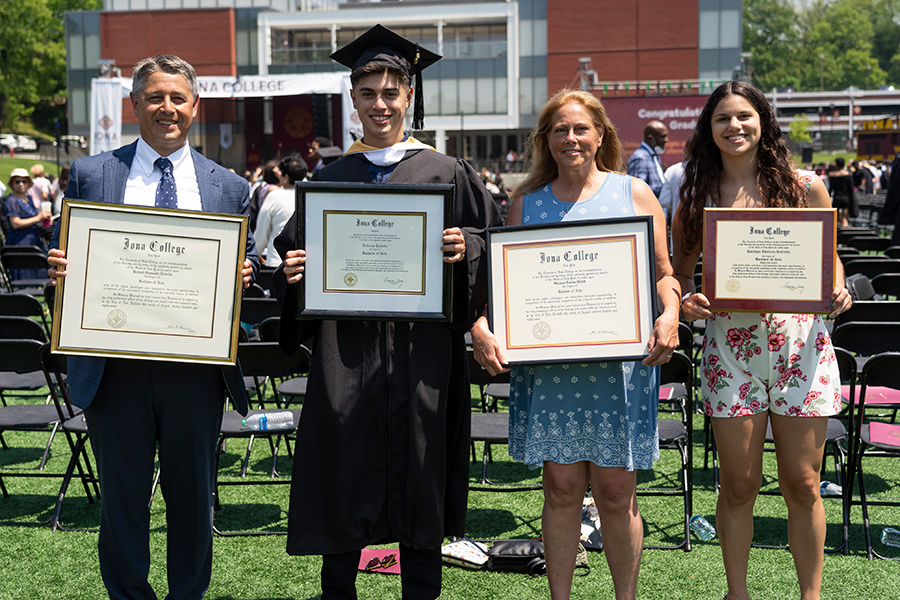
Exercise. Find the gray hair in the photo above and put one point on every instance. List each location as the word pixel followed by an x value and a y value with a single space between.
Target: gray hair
pixel 166 63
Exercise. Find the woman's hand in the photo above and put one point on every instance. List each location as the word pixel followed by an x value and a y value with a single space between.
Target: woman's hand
pixel 294 265
pixel 695 306
pixel 486 349
pixel 454 245
pixel 840 301
pixel 57 261
pixel 663 340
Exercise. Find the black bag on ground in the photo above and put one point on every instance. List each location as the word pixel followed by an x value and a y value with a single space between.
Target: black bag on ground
pixel 517 556
pixel 527 556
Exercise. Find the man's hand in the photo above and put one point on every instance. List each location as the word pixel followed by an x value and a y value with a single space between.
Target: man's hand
pixel 247 273
pixel 294 265
pixel 454 245
pixel 57 261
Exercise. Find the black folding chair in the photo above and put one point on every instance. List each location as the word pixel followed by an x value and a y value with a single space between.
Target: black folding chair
pixel 869 311
pixel 887 284
pixel 13 384
pixel 24 305
pixel 677 434
pixel 74 427
pixel 26 356
pixel 869 243
pixel 29 261
pixel 870 267
pixel 266 364
pixel 875 439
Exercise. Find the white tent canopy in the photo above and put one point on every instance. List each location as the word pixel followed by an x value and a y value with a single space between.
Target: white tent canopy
pixel 106 128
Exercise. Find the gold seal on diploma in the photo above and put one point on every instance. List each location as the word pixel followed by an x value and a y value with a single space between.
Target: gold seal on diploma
pixel 541 330
pixel 350 279
pixel 733 286
pixel 116 319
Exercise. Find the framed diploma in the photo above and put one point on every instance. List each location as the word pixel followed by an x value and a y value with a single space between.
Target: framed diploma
pixel 769 260
pixel 373 252
pixel 573 292
pixel 149 283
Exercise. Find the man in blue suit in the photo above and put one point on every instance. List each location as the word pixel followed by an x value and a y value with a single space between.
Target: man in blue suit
pixel 646 162
pixel 135 406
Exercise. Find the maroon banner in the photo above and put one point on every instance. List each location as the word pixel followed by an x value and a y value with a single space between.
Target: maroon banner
pixel 678 113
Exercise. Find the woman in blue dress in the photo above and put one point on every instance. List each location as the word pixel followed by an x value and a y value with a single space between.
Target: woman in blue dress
pixel 25 219
pixel 595 422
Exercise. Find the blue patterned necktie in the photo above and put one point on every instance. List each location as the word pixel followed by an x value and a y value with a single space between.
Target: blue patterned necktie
pixel 165 191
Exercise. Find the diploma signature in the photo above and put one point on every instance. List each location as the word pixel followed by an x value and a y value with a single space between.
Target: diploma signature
pixel 606 332
pixel 394 282
pixel 794 287
pixel 184 328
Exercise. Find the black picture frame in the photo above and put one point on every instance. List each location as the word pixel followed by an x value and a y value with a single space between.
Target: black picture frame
pixel 373 251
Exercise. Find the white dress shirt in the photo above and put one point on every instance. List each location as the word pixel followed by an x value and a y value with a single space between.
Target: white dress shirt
pixel 143 178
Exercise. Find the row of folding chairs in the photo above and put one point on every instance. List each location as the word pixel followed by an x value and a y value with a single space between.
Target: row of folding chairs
pixel 273 381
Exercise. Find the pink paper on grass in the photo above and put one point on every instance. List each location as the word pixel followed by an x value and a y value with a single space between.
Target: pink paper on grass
pixel 884 433
pixel 381 555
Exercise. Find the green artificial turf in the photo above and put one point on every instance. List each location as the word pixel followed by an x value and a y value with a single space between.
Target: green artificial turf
pixel 37 563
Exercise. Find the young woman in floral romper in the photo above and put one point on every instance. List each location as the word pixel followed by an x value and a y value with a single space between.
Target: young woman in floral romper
pixel 758 366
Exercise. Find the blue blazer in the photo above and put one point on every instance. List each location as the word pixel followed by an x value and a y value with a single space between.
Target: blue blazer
pixel 102 178
pixel 642 165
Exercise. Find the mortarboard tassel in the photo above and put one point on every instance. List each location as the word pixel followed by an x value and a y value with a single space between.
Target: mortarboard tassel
pixel 418 99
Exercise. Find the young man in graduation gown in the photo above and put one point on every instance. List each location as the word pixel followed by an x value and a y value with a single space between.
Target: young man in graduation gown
pixel 381 452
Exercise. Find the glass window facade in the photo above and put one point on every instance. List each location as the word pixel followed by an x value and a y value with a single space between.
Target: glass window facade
pixel 475 41
pixel 720 38
pixel 471 78
pixel 300 46
pixel 82 61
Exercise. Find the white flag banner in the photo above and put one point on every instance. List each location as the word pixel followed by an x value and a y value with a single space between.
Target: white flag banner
pixel 245 86
pixel 106 114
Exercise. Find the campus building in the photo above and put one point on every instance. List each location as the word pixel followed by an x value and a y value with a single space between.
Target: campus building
pixel 501 61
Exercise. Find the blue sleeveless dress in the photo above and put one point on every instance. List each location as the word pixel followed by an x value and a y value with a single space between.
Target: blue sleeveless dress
pixel 600 412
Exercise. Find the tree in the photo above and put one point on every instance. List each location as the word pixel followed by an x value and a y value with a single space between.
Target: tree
pixel 799 129
pixel 33 54
pixel 885 18
pixel 771 36
pixel 836 45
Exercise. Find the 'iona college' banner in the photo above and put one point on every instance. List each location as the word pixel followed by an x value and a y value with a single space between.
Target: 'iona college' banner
pixel 107 95
pixel 106 114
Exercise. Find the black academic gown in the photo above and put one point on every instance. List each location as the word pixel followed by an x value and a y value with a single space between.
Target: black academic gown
pixel 382 446
pixel 890 213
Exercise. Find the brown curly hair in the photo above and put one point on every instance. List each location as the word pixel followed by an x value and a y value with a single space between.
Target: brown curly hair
pixel 543 168
pixel 776 179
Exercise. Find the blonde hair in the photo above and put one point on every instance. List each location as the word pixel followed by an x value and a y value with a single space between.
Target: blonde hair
pixel 543 168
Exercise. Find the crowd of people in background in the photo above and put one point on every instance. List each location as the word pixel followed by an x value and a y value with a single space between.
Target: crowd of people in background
pixel 31 200
pixel 848 183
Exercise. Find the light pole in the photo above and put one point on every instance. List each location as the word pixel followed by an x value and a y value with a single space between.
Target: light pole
pixel 821 72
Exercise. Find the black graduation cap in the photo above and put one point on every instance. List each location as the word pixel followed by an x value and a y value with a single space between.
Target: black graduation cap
pixel 381 45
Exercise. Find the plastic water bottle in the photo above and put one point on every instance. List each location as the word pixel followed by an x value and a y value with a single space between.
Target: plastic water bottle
pixel 890 537
pixel 269 421
pixel 830 489
pixel 702 528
